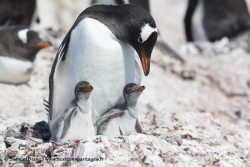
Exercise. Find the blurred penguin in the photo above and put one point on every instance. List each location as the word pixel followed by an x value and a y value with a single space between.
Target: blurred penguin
pixel 17 12
pixel 211 20
pixel 18 49
pixel 161 44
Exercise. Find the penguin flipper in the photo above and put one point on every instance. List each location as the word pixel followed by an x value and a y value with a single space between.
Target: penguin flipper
pixel 67 122
pixel 109 115
pixel 60 56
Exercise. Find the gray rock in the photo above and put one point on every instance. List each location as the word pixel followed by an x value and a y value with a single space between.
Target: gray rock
pixel 18 165
pixel 12 140
pixel 2 144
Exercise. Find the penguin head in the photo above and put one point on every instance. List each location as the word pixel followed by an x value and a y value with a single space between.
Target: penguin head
pixel 140 32
pixel 28 43
pixel 143 41
pixel 132 92
pixel 31 39
pixel 130 24
pixel 83 90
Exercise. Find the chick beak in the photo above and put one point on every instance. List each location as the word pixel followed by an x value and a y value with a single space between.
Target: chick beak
pixel 88 89
pixel 141 88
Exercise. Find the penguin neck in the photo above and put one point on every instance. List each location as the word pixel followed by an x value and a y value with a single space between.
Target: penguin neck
pixel 132 108
pixel 84 105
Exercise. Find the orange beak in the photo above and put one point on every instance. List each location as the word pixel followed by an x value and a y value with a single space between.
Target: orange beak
pixel 43 44
pixel 88 89
pixel 144 63
pixel 141 88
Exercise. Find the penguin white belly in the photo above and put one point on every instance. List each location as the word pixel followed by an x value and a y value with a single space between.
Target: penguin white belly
pixel 81 127
pixel 198 31
pixel 15 71
pixel 94 55
pixel 125 123
pixel 112 128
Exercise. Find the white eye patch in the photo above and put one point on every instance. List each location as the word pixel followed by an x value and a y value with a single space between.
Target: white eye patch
pixel 22 35
pixel 146 31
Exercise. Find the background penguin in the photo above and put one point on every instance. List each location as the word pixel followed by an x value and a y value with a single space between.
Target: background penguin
pixel 76 121
pixel 17 12
pixel 210 20
pixel 18 48
pixel 161 44
pixel 100 48
pixel 126 114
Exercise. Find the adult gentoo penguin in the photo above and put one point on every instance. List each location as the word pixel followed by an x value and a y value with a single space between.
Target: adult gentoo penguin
pixel 99 48
pixel 18 48
pixel 126 114
pixel 210 20
pixel 76 121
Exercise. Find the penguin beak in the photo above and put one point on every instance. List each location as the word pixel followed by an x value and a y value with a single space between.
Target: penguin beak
pixel 145 62
pixel 140 89
pixel 88 89
pixel 43 44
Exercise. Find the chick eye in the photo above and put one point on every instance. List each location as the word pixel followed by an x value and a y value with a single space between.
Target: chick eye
pixel 130 89
pixel 80 88
pixel 140 40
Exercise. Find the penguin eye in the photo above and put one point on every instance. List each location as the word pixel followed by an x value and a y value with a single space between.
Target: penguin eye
pixel 130 89
pixel 140 40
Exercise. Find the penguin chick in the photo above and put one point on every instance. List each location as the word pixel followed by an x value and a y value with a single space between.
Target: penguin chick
pixel 123 118
pixel 76 121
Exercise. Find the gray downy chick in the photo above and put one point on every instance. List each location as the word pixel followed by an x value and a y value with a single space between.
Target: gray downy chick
pixel 123 118
pixel 76 122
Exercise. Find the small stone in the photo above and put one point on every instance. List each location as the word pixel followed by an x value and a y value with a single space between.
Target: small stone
pixel 11 153
pixel 13 131
pixel 171 138
pixel 11 140
pixel 2 144
pixel 18 165
pixel 46 165
pixel 32 139
pixel 15 146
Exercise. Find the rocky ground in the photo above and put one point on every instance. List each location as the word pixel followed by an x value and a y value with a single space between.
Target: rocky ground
pixel 205 101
